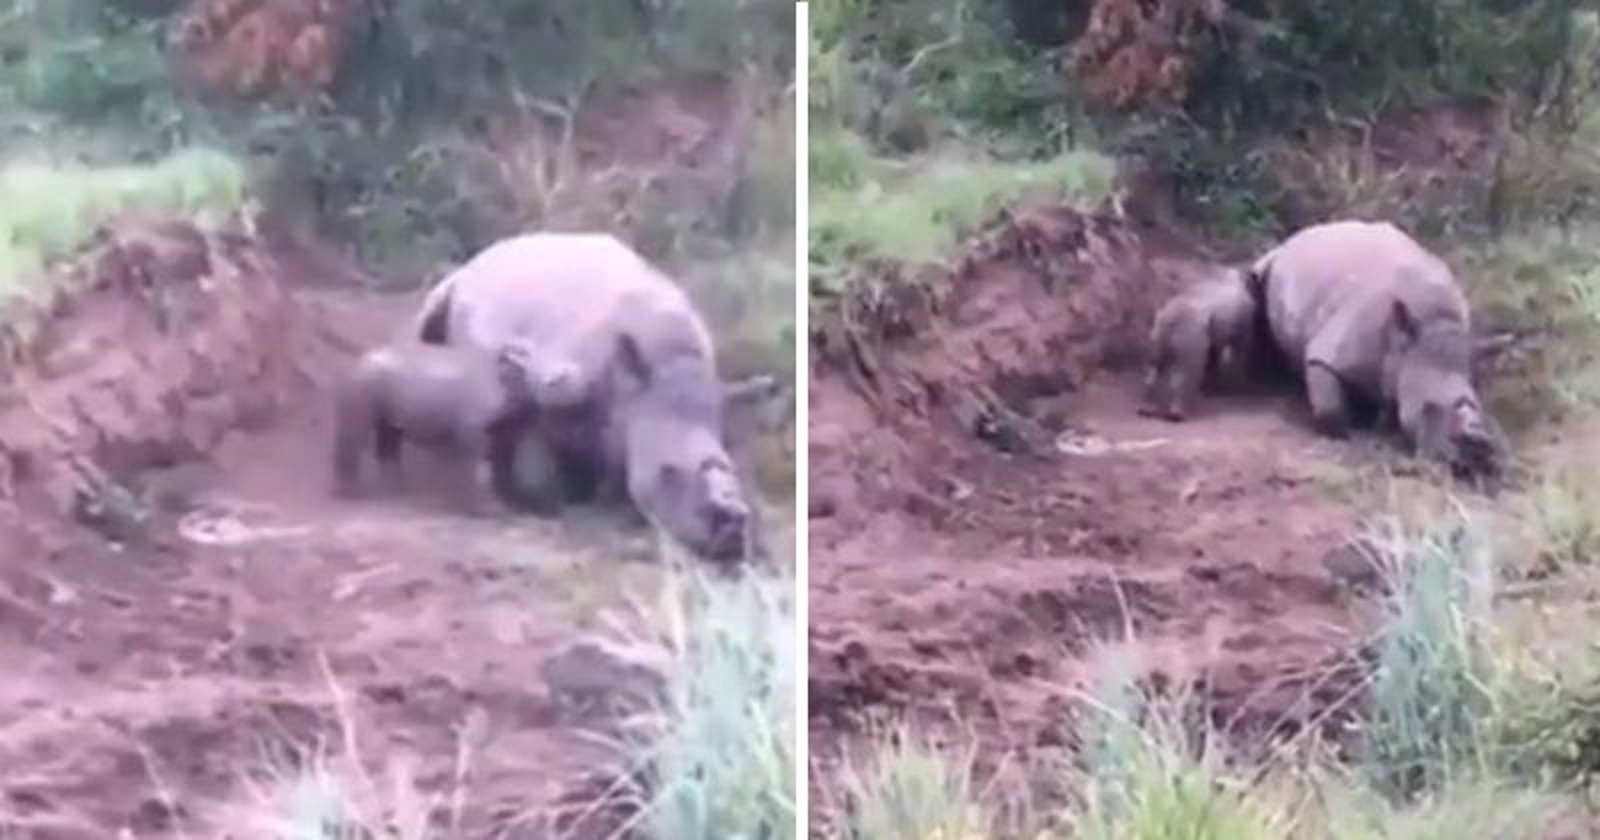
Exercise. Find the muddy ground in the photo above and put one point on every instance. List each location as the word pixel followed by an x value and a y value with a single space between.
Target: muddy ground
pixel 966 562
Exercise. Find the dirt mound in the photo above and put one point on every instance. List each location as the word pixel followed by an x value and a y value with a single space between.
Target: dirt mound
pixel 988 507
pixel 159 341
pixel 1039 306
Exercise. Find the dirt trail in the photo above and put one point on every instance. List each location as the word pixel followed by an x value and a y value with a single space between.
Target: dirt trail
pixel 149 685
pixel 954 582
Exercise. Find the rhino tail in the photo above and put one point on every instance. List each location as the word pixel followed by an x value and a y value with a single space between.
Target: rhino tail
pixel 433 324
pixel 1255 277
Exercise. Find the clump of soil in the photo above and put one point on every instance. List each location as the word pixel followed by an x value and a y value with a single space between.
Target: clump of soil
pixel 160 339
pixel 988 507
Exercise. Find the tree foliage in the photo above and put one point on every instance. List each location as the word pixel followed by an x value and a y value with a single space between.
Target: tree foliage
pixel 411 131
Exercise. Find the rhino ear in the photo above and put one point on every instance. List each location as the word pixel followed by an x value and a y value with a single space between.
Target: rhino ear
pixel 1402 319
pixel 632 360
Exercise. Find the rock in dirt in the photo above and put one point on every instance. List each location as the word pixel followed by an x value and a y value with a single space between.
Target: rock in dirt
pixel 599 669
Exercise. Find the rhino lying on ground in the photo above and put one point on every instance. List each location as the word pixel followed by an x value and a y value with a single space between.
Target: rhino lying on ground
pixel 1204 334
pixel 1368 316
pixel 629 388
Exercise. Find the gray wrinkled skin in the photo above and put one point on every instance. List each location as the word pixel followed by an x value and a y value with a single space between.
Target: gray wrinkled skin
pixel 441 398
pixel 674 465
pixel 1203 335
pixel 640 398
pixel 1366 313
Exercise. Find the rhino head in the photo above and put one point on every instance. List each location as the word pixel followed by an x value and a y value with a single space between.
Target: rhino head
pixel 679 472
pixel 1428 373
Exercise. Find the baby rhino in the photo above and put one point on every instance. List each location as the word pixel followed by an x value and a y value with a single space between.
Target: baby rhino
pixel 448 399
pixel 1204 334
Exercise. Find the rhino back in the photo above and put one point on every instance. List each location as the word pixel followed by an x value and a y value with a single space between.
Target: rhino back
pixel 430 390
pixel 573 292
pixel 1330 290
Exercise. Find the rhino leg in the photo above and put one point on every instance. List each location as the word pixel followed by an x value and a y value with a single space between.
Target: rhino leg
pixel 1183 367
pixel 1330 408
pixel 354 427
pixel 386 447
pixel 510 440
pixel 476 474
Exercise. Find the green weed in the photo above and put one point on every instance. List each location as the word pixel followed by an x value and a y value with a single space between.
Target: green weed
pixel 1565 508
pixel 915 213
pixel 52 209
pixel 1432 695
pixel 911 790
pixel 1488 808
pixel 1149 773
pixel 725 765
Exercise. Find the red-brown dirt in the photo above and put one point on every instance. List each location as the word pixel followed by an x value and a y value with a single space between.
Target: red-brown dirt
pixel 251 617
pixel 961 580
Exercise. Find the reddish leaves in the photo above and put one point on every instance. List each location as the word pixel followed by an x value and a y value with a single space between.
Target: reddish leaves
pixel 1142 51
pixel 250 48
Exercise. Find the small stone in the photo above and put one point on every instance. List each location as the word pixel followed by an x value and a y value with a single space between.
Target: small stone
pixel 596 668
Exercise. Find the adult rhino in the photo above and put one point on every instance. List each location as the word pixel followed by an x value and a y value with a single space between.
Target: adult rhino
pixel 1369 316
pixel 631 376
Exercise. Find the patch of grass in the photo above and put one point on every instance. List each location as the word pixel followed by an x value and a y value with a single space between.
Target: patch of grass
pixel 1433 689
pixel 1565 508
pixel 49 210
pixel 723 761
pixel 1490 809
pixel 747 297
pixel 838 159
pixel 1552 729
pixel 911 790
pixel 1151 774
pixel 762 200
pixel 335 790
pixel 1545 282
pixel 914 212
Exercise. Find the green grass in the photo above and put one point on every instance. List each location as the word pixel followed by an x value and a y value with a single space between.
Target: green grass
pixel 1544 282
pixel 1432 696
pixel 49 210
pixel 1564 505
pixel 915 212
pixel 723 763
pixel 341 789
pixel 911 790
pixel 1149 773
pixel 1488 809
